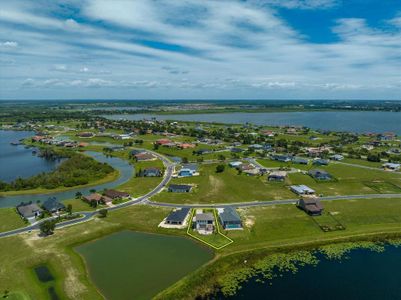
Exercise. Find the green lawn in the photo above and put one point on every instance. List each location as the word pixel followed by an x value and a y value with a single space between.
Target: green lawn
pixel 212 187
pixel 10 219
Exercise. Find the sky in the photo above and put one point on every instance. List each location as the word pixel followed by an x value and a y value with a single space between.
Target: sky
pixel 200 49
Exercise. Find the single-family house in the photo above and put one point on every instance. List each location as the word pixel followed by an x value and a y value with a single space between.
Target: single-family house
pixel 311 206
pixel 85 134
pixel 144 156
pixel 151 172
pixel 179 188
pixel 234 164
pixel 177 216
pixel 245 167
pixel 320 174
pixel 186 145
pixel 113 194
pixel 256 147
pixel 29 211
pixel 97 198
pixel 252 172
pixel 302 190
pixel 281 158
pixel 277 176
pixel 236 150
pixel 203 151
pixel 52 205
pixel 229 218
pixel 391 166
pixel 204 222
pixel 162 142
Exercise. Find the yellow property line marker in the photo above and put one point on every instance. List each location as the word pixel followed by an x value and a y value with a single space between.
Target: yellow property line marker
pixel 218 231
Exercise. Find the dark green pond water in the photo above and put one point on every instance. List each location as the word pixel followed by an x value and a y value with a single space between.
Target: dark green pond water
pixel 132 265
pixel 364 275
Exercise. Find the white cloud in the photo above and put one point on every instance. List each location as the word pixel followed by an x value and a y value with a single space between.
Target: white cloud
pixel 9 44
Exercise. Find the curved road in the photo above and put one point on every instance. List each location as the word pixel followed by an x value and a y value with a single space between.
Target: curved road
pixel 86 216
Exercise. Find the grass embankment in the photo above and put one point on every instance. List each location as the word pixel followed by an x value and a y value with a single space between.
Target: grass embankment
pixel 10 219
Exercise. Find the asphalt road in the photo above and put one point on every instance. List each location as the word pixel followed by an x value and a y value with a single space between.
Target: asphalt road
pixel 167 177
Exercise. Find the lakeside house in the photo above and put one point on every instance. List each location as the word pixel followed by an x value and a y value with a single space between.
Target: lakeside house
pixel 97 198
pixel 229 218
pixel 113 194
pixel 188 170
pixel 277 176
pixel 151 172
pixel 144 156
pixel 302 189
pixel 204 223
pixel 312 206
pixel 391 166
pixel 52 205
pixel 319 174
pixel 177 216
pixel 179 188
pixel 29 211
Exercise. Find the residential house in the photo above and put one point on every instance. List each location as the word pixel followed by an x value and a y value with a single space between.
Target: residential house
pixel 144 156
pixel 98 199
pixel 235 164
pixel 311 206
pixel 229 218
pixel 29 211
pixel 85 134
pixel 252 172
pixel 277 176
pixel 236 150
pixel 204 222
pixel 162 142
pixel 151 172
pixel 179 188
pixel 113 194
pixel 186 145
pixel 177 216
pixel 391 166
pixel 302 190
pixel 320 174
pixel 53 206
pixel 281 158
pixel 337 157
pixel 203 151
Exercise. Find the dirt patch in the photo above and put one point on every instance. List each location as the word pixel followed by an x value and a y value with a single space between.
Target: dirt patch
pixel 216 184
pixel 249 221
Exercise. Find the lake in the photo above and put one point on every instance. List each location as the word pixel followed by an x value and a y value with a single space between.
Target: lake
pixel 132 265
pixel 17 161
pixel 365 275
pixel 125 169
pixel 353 121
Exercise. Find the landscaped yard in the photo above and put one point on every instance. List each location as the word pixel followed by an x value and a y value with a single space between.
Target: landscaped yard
pixel 10 219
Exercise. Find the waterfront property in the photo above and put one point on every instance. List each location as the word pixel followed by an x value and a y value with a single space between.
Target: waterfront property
pixel 204 222
pixel 52 205
pixel 151 172
pixel 97 199
pixel 179 188
pixel 311 206
pixel 302 190
pixel 229 218
pixel 113 194
pixel 144 156
pixel 29 211
pixel 277 176
pixel 177 216
pixel 320 175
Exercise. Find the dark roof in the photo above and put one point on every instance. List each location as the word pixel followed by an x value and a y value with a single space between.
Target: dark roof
pixel 204 217
pixel 178 215
pixel 28 210
pixel 319 173
pixel 311 205
pixel 192 167
pixel 115 194
pixel 52 204
pixel 229 214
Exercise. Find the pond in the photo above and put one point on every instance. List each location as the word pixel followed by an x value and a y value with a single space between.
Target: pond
pixel 364 274
pixel 123 166
pixel 132 265
pixel 354 121
pixel 47 281
pixel 18 161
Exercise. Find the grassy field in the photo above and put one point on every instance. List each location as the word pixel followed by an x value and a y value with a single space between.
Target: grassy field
pixel 228 186
pixel 10 219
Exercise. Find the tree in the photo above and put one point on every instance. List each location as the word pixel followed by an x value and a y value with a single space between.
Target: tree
pixel 6 293
pixel 78 195
pixel 155 146
pixel 69 209
pixel 92 191
pixel 221 157
pixel 103 213
pixel 47 227
pixel 185 160
pixel 220 168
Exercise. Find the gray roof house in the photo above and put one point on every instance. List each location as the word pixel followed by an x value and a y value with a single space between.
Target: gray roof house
pixel 302 190
pixel 178 216
pixel 52 205
pixel 319 174
pixel 311 206
pixel 204 221
pixel 179 188
pixel 229 218
pixel 300 160
pixel 151 172
pixel 277 176
pixel 29 211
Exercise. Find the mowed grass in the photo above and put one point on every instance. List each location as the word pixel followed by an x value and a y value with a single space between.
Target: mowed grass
pixel 286 224
pixel 225 187
pixel 10 219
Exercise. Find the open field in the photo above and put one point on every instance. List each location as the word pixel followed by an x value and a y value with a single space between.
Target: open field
pixel 10 219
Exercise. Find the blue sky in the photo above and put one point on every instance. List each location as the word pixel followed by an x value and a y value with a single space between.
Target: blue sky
pixel 186 49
